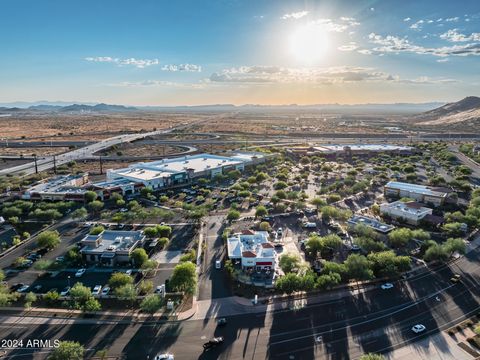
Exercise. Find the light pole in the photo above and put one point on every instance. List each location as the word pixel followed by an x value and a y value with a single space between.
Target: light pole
pixel 68 280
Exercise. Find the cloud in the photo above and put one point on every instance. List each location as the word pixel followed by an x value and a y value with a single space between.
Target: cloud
pixel 295 15
pixel 442 60
pixel 365 52
pixel 138 63
pixel 407 19
pixel 452 19
pixel 262 75
pixel 182 67
pixel 340 25
pixel 417 25
pixel 394 44
pixel 158 83
pixel 453 35
pixel 348 47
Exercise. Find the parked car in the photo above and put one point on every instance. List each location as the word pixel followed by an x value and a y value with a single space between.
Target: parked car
pixel 23 288
pixel 387 286
pixel 60 259
pixel 65 291
pixel 418 328
pixel 221 322
pixel 80 272
pixel 164 357
pixel 15 287
pixel 128 272
pixel 105 291
pixel 96 290
pixel 214 342
pixel 455 278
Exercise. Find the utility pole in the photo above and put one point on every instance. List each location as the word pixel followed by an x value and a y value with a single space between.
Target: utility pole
pixel 54 164
pixel 101 166
pixel 36 165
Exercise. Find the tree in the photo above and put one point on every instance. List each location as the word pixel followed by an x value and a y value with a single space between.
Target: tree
pixel 119 279
pixel 151 303
pixel 90 196
pixel 80 214
pixel 264 226
pixel 184 278
pixel 332 241
pixel 327 281
pixel 51 297
pixel 372 357
pixel 29 299
pixel 318 202
pixel 164 230
pixel 150 232
pixel 126 292
pixel 400 237
pixel 289 283
pixel 261 211
pixel 454 245
pixel 314 245
pixel 358 267
pixel 289 262
pixel 436 252
pixel 386 263
pixel 453 229
pixel 280 185
pixel 162 242
pixel 96 230
pixel 80 293
pixel 139 256
pixel 149 267
pixel 48 239
pixel 67 350
pixel 95 206
pixel 91 305
pixel 233 215
pixel 145 287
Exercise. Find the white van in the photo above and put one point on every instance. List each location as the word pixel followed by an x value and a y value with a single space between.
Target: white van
pixel 218 264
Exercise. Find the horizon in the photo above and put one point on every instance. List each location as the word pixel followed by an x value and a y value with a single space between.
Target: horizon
pixel 322 52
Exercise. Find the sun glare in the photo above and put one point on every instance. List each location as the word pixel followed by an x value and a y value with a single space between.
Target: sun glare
pixel 309 43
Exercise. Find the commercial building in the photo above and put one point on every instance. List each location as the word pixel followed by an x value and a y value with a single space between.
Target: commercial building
pixel 110 248
pixel 411 212
pixel 59 188
pixel 371 223
pixel 176 171
pixel 425 194
pixel 334 151
pixel 253 250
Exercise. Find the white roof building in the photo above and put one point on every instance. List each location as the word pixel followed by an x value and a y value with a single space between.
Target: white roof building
pixel 412 212
pixel 422 193
pixel 253 249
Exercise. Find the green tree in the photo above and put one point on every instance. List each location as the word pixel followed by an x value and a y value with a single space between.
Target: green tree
pixel 139 256
pixel 119 279
pixel 289 283
pixel 280 185
pixel 264 226
pixel 233 215
pixel 150 232
pixel 80 214
pixel 358 267
pixel 67 350
pixel 90 196
pixel 92 305
pixel 126 292
pixel 29 299
pixel 318 202
pixel 96 230
pixel 261 211
pixel 184 278
pixel 48 239
pixel 151 303
pixel 327 281
pixel 372 357
pixel 145 287
pixel 400 237
pixel 95 206
pixel 289 262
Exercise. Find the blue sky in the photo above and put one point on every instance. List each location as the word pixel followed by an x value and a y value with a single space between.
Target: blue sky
pixel 154 52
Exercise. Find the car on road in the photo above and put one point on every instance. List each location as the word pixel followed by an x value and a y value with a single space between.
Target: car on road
pixel 213 343
pixel 221 322
pixel 128 272
pixel 387 286
pixel 218 264
pixel 96 290
pixel 455 278
pixel 417 329
pixel 60 259
pixel 23 288
pixel 160 289
pixel 80 272
pixel 65 291
pixel 105 291
pixel 164 357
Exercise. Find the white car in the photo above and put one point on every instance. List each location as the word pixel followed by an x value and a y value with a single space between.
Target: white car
pixel 80 272
pixel 128 272
pixel 418 328
pixel 105 291
pixel 164 357
pixel 96 290
pixel 65 291
pixel 23 288
pixel 387 286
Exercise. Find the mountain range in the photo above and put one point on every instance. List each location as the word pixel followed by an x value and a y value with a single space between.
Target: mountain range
pixel 465 112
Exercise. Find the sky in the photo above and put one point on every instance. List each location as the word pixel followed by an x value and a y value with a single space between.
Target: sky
pixel 155 52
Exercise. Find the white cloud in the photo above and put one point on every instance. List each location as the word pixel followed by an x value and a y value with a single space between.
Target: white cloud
pixel 417 25
pixel 295 15
pixel 442 60
pixel 452 19
pixel 365 52
pixel 327 76
pixel 182 67
pixel 158 83
pixel 453 35
pixel 348 47
pixel 394 44
pixel 407 19
pixel 341 25
pixel 138 63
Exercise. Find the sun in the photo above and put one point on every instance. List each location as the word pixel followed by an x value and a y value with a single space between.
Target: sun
pixel 309 43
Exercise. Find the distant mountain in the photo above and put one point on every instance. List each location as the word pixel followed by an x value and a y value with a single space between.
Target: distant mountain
pixel 96 108
pixel 465 111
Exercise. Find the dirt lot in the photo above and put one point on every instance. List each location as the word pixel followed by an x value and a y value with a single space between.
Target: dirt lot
pixel 40 151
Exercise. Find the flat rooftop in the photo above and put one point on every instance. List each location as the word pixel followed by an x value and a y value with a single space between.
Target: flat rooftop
pixel 113 241
pixel 419 189
pixel 371 222
pixel 58 184
pixel 143 173
pixel 197 163
pixel 411 207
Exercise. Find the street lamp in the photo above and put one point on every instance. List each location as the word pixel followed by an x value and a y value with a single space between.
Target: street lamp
pixel 68 280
